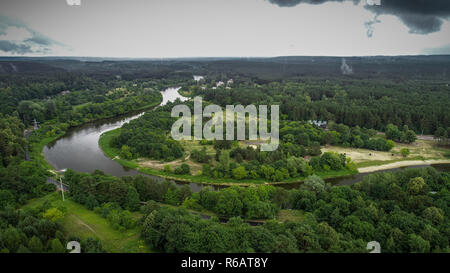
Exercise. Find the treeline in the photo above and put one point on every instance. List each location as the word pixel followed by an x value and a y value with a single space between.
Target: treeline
pixel 51 95
pixel 94 190
pixel 12 141
pixel 66 109
pixel 374 103
pixel 20 180
pixel 405 135
pixel 253 164
pixel 247 202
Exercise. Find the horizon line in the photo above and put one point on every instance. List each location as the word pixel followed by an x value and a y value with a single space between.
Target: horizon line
pixel 223 57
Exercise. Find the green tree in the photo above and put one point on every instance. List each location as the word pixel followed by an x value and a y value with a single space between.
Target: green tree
pixel 314 183
pixel 416 185
pixel 417 244
pixel 56 246
pixel 53 214
pixel 410 136
pixel 167 168
pixel 132 201
pixel 229 203
pixel 125 152
pixel 35 245
pixel 435 215
pixel 240 173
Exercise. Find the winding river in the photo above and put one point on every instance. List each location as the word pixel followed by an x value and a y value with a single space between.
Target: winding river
pixel 79 149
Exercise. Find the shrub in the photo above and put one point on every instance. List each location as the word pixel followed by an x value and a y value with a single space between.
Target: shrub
pixel 404 152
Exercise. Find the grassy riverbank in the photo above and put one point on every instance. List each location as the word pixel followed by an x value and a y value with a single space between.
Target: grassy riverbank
pixel 36 150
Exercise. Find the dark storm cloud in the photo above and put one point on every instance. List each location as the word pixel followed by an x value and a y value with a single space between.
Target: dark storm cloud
pixel 37 43
pixel 16 48
pixel 421 16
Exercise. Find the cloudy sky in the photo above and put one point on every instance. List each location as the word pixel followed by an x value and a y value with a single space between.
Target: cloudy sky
pixel 201 28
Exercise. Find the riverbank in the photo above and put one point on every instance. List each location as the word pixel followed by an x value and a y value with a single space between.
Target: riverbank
pixel 113 153
pixel 400 164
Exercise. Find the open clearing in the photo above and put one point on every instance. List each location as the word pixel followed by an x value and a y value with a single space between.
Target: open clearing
pixel 423 152
pixel 81 222
pixel 189 146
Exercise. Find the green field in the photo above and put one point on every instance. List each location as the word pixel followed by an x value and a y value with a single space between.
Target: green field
pixel 81 222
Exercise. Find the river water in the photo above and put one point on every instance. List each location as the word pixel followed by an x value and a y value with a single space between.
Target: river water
pixel 79 149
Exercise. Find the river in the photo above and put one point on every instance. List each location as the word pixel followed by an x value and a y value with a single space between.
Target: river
pixel 79 149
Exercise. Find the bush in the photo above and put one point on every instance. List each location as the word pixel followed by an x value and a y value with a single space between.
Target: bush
pixel 183 169
pixel 404 152
pixel 167 168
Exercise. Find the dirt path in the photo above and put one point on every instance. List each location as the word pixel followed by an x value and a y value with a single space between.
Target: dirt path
pixel 81 222
pixel 402 164
pixel 156 164
pixel 426 137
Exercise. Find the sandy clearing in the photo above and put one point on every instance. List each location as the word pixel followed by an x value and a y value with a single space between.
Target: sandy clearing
pixel 361 155
pixel 423 148
pixel 159 165
pixel 399 164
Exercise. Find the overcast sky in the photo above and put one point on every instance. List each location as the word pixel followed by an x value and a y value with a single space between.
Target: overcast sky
pixel 201 28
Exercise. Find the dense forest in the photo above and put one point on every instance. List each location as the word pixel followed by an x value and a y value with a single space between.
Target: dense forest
pixel 404 211
pixel 149 137
pixel 386 102
pixel 422 106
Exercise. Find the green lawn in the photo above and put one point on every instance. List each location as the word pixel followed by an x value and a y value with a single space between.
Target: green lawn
pixel 81 222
